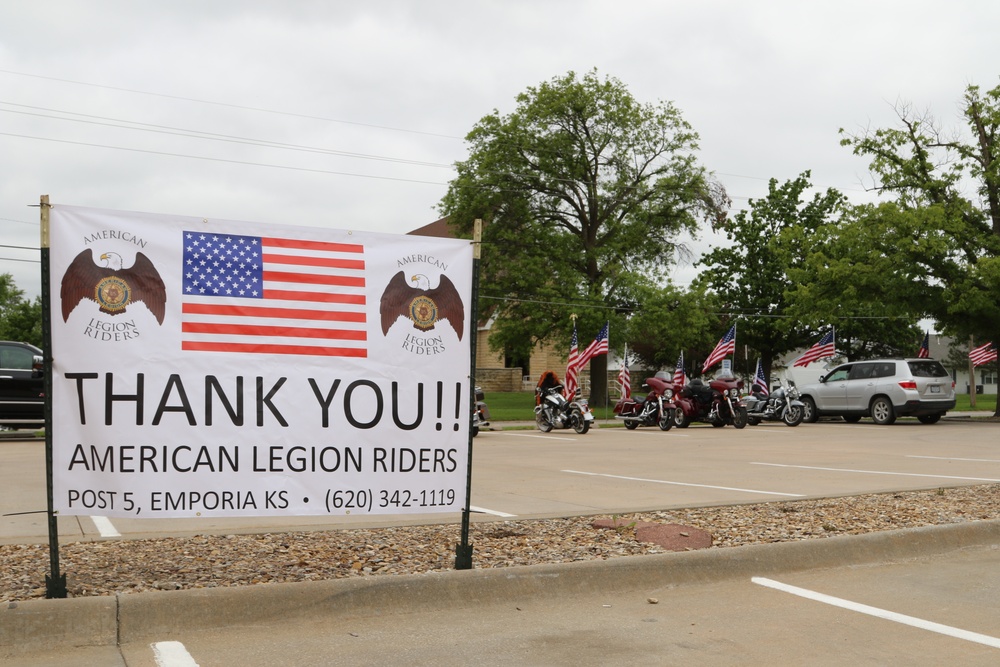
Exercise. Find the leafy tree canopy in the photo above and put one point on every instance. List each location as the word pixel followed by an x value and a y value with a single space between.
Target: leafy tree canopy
pixel 584 191
pixel 751 274
pixel 943 230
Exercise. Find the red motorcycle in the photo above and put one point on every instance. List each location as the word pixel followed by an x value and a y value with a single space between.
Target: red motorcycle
pixel 656 408
pixel 717 403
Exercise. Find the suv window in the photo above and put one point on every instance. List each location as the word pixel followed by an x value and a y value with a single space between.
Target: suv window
pixel 885 369
pixel 862 371
pixel 16 358
pixel 838 374
pixel 927 368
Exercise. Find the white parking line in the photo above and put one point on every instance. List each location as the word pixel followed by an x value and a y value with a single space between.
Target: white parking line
pixel 876 472
pixel 105 527
pixel 544 437
pixel 952 458
pixel 701 486
pixel 880 613
pixel 659 433
pixel 172 654
pixel 473 508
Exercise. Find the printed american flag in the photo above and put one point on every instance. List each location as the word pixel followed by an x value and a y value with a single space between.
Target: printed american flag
pixel 625 378
pixel 572 364
pixel 680 377
pixel 925 347
pixel 983 354
pixel 826 347
pixel 725 347
pixel 759 381
pixel 255 294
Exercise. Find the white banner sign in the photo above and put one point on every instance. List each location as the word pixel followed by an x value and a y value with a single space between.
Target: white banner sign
pixel 222 368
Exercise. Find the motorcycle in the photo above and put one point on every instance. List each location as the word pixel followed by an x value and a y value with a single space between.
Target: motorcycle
pixel 656 408
pixel 782 405
pixel 553 410
pixel 718 403
pixel 481 413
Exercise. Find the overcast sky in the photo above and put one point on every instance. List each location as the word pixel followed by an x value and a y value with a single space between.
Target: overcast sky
pixel 370 101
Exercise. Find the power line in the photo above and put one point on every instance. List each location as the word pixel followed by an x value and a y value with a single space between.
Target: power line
pixel 230 105
pixel 294 115
pixel 200 134
pixel 217 159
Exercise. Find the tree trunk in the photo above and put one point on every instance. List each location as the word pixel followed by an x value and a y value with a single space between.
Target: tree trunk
pixel 598 381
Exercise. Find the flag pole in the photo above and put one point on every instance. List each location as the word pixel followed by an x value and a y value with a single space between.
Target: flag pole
pixel 55 581
pixel 463 550
pixel 972 375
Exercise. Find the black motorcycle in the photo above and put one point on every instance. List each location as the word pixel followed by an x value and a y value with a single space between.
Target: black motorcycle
pixel 481 413
pixel 782 405
pixel 717 403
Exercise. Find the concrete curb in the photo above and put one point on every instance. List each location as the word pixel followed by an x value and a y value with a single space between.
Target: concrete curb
pixel 102 621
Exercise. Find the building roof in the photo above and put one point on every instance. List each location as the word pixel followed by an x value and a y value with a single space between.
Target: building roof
pixel 438 229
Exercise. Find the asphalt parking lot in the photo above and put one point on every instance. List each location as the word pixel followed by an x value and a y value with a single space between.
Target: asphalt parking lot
pixel 528 474
pixel 926 596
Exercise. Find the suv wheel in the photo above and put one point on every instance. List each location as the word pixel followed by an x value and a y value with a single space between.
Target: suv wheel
pixel 809 410
pixel 882 412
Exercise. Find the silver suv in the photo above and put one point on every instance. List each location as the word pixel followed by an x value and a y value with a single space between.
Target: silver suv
pixel 882 389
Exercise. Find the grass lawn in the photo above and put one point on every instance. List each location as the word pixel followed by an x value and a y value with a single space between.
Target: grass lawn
pixel 987 402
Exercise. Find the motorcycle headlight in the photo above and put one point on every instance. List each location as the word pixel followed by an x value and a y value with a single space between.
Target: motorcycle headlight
pixel 735 393
pixel 669 394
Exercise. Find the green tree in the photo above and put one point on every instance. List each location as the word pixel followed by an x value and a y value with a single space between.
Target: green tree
pixel 672 321
pixel 949 241
pixel 847 276
pixel 584 191
pixel 20 320
pixel 751 272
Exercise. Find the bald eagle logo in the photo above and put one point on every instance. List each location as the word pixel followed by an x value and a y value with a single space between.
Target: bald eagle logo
pixel 423 306
pixel 111 286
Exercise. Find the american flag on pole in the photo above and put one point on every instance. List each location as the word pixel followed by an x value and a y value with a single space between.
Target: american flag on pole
pixel 983 354
pixel 597 347
pixel 725 347
pixel 759 381
pixel 272 295
pixel 680 377
pixel 570 386
pixel 925 347
pixel 826 347
pixel 625 378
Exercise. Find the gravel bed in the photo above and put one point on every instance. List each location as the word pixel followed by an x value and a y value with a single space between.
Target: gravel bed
pixel 114 566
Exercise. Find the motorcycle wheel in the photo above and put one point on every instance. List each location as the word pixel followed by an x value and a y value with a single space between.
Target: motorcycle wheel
pixel 681 420
pixel 543 424
pixel 475 431
pixel 666 420
pixel 580 425
pixel 753 421
pixel 631 424
pixel 740 418
pixel 793 416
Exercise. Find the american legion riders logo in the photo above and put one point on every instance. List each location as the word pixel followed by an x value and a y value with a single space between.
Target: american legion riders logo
pixel 421 304
pixel 111 286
